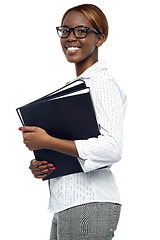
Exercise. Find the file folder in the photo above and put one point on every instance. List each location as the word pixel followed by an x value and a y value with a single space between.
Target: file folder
pixel 67 113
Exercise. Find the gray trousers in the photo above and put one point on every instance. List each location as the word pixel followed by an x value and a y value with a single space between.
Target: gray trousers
pixel 90 221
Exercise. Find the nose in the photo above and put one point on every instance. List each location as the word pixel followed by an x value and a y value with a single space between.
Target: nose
pixel 71 36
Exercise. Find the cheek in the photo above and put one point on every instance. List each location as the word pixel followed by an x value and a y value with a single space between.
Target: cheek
pixel 62 44
pixel 88 49
pixel 89 43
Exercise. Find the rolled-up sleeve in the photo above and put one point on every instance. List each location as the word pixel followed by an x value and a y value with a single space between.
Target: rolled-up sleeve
pixel 109 103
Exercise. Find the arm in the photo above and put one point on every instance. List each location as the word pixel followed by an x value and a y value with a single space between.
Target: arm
pixel 105 150
pixel 36 138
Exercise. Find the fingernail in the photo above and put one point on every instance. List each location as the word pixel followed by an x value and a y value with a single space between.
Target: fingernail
pixel 20 128
pixel 51 165
pixel 46 163
pixel 50 172
pixel 53 168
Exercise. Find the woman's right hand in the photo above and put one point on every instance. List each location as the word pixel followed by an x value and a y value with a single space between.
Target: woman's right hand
pixel 41 169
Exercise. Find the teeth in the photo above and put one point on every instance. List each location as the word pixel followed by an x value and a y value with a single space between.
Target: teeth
pixel 72 48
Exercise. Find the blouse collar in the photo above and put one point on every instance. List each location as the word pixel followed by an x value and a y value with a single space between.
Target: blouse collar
pixel 99 65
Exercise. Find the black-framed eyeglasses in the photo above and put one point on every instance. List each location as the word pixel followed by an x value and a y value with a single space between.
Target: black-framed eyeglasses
pixel 79 32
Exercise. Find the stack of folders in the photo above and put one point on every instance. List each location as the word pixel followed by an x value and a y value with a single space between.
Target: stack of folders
pixel 68 114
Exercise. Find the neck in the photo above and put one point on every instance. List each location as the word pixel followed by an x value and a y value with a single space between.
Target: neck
pixel 82 66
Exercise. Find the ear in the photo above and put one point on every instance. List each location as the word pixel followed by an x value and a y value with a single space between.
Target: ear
pixel 101 40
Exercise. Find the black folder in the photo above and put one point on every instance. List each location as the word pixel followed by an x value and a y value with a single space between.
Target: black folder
pixel 68 114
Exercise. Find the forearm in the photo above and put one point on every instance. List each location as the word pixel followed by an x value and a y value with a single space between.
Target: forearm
pixel 36 138
pixel 63 146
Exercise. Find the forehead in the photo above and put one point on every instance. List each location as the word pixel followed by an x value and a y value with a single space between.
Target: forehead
pixel 75 18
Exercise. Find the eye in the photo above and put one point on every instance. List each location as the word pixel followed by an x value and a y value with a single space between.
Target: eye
pixel 81 30
pixel 64 30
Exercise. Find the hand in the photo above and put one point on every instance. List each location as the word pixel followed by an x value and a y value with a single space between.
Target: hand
pixel 41 169
pixel 35 138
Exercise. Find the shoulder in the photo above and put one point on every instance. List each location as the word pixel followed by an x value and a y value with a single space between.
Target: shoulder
pixel 104 82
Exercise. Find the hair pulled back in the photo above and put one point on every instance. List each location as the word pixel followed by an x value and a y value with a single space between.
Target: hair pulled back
pixel 94 15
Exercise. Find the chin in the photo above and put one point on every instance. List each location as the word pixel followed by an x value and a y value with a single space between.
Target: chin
pixel 72 59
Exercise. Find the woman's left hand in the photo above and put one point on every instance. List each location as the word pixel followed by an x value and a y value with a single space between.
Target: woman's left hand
pixel 35 138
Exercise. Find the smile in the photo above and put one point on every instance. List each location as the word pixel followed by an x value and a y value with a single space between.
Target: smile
pixel 72 49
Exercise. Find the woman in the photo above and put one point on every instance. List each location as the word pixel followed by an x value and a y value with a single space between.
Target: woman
pixel 85 205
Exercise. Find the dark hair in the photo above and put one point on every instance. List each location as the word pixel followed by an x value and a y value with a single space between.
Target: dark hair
pixel 94 15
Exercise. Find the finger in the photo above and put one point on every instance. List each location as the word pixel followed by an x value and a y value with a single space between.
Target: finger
pixel 28 129
pixel 32 168
pixel 41 169
pixel 41 164
pixel 42 172
pixel 42 175
pixel 36 163
pixel 38 169
pixel 49 166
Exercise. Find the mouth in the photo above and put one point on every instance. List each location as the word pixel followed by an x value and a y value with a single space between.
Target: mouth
pixel 72 49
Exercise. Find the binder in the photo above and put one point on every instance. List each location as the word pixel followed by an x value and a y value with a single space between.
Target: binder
pixel 68 114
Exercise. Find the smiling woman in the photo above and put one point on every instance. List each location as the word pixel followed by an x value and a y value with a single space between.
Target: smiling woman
pixel 83 50
pixel 86 205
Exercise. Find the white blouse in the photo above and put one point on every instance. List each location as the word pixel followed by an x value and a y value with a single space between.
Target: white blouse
pixel 94 184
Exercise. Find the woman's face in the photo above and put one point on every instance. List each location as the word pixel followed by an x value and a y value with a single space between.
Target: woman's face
pixel 80 51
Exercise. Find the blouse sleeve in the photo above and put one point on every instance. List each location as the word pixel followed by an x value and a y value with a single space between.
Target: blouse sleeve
pixel 109 102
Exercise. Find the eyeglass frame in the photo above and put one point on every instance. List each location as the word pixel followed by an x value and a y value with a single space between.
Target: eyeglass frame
pixel 73 30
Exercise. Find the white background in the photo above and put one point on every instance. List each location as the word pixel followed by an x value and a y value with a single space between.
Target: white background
pixel 30 61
